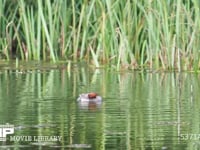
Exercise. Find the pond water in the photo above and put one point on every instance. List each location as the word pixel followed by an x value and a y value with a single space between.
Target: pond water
pixel 140 110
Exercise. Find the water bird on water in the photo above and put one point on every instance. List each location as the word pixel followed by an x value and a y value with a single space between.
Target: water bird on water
pixel 89 97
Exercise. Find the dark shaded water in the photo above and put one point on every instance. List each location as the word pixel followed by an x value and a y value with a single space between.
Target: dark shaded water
pixel 139 110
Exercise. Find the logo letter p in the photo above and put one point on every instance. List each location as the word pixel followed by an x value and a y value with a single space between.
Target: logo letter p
pixel 7 131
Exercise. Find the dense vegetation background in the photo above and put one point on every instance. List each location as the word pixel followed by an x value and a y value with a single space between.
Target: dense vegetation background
pixel 155 34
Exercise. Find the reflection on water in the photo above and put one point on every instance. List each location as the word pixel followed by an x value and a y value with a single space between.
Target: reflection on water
pixel 139 110
pixel 90 105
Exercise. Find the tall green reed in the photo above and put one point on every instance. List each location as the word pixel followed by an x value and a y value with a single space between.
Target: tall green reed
pixel 125 34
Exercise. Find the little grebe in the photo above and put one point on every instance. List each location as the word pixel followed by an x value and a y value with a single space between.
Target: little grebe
pixel 89 97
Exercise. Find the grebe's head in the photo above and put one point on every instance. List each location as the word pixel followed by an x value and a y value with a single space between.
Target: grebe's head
pixel 92 95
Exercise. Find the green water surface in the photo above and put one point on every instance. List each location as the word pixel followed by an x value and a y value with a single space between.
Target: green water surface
pixel 140 110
